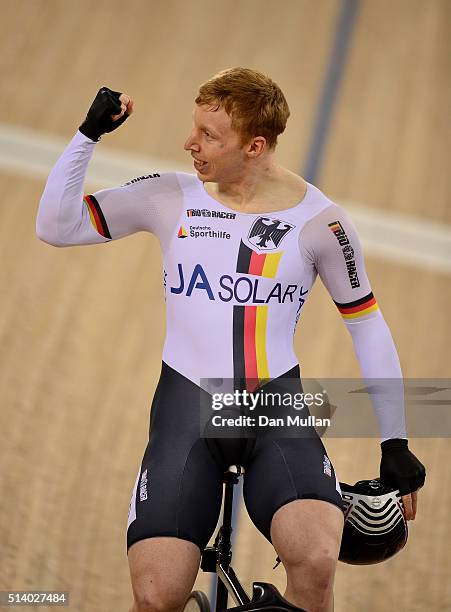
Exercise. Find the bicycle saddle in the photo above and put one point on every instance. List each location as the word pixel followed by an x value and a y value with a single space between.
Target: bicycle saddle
pixel 265 597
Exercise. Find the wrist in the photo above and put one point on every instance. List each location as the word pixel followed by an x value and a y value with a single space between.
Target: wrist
pixel 92 134
pixel 394 443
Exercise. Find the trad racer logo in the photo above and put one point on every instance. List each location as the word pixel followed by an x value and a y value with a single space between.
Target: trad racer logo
pixel 348 252
pixel 266 234
pixel 204 212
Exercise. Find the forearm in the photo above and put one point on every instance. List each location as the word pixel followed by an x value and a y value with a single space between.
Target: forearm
pixel 381 370
pixel 62 218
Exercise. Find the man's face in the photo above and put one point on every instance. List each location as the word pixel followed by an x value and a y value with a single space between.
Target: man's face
pixel 216 148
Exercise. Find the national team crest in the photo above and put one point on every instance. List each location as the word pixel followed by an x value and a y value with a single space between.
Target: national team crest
pixel 266 234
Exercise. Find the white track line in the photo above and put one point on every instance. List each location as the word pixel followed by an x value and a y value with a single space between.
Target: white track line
pixel 385 235
pixel 406 239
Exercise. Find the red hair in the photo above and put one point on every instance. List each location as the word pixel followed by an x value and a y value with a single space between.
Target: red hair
pixel 254 102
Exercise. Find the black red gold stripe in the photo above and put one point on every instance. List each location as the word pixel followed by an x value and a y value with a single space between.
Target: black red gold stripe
pixel 250 322
pixel 96 215
pixel 358 308
pixel 335 226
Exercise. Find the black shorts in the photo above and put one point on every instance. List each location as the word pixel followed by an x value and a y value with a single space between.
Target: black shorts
pixel 178 490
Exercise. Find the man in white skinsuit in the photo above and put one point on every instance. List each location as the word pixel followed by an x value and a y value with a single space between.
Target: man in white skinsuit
pixel 243 241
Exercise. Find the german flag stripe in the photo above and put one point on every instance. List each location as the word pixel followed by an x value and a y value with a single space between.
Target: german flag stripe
pixel 238 344
pixel 358 308
pixel 358 302
pixel 250 353
pixel 271 264
pixel 257 263
pixel 263 264
pixel 244 258
pixel 96 215
pixel 334 226
pixel 261 320
pixel 360 313
pixel 250 322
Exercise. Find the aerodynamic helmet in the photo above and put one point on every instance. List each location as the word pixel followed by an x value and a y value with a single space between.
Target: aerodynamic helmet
pixel 375 527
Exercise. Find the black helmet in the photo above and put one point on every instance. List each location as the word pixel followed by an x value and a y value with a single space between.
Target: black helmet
pixel 375 527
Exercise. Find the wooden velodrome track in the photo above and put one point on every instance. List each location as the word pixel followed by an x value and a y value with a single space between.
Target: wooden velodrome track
pixel 82 328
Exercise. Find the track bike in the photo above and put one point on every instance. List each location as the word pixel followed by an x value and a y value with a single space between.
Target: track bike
pixel 217 559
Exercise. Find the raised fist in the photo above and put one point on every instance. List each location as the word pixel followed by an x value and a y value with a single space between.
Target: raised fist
pixel 108 111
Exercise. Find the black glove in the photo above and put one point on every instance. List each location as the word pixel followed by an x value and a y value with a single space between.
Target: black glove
pixel 400 468
pixel 98 120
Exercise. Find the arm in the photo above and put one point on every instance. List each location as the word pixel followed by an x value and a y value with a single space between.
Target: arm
pixel 66 217
pixel 330 239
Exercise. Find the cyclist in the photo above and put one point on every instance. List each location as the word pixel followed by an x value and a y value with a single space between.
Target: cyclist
pixel 243 240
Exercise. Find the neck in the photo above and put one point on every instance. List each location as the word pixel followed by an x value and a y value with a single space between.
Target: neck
pixel 250 186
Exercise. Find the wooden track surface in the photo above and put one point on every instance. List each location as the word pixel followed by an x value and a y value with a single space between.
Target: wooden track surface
pixel 81 329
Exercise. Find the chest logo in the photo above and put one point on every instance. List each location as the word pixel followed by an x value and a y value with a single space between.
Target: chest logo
pixel 266 234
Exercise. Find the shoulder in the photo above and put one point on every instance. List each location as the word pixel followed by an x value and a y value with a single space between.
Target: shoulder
pixel 153 187
pixel 328 227
pixel 160 183
pixel 153 183
pixel 323 212
pixel 187 181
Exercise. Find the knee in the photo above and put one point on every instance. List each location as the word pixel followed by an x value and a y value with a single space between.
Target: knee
pixel 317 567
pixel 152 601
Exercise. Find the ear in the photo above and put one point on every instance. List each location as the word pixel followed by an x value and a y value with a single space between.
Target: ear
pixel 256 146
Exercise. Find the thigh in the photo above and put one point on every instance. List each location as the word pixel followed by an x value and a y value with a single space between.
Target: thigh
pixel 286 469
pixel 178 489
